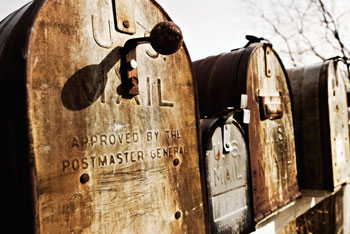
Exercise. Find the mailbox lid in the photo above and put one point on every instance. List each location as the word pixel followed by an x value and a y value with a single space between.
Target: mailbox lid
pixel 256 71
pixel 320 109
pixel 104 163
pixel 227 176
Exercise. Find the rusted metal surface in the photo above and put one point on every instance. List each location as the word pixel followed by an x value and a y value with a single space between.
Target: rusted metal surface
pixel 227 175
pixel 321 118
pixel 94 161
pixel 222 80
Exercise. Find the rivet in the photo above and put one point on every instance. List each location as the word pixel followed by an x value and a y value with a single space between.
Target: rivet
pixel 84 178
pixel 176 162
pixel 177 215
pixel 126 24
pixel 227 145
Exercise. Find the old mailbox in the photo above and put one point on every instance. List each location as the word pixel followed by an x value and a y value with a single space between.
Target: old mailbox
pixel 99 115
pixel 321 118
pixel 254 76
pixel 227 173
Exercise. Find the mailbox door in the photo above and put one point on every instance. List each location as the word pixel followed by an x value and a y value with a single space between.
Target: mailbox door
pixel 227 176
pixel 338 119
pixel 271 132
pixel 104 162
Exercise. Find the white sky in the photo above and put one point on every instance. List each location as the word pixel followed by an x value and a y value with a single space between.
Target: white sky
pixel 209 26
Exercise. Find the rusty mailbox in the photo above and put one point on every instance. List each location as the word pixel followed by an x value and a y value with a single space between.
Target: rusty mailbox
pixel 227 174
pixel 254 77
pixel 99 114
pixel 321 118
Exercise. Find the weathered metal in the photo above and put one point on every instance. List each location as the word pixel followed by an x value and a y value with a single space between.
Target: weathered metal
pixel 227 175
pixel 78 155
pixel 321 123
pixel 256 71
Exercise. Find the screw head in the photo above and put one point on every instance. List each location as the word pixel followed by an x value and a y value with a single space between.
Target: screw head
pixel 84 178
pixel 176 162
pixel 177 215
pixel 126 24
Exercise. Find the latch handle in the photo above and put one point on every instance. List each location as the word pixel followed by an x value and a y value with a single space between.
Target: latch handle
pixel 165 38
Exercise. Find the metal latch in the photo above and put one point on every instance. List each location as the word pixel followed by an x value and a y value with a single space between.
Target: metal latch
pixel 268 52
pixel 165 38
pixel 271 107
pixel 226 130
pixel 227 134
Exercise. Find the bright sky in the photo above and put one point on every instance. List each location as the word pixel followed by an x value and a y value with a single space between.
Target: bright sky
pixel 209 27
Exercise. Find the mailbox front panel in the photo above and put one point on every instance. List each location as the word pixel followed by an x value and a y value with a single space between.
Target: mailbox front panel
pixel 105 163
pixel 338 119
pixel 227 177
pixel 271 134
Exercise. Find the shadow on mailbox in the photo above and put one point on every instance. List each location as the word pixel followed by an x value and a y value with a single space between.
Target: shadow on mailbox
pixel 85 86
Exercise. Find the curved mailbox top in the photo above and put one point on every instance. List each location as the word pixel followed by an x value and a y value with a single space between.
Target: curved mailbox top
pixel 227 176
pixel 254 78
pixel 321 117
pixel 102 161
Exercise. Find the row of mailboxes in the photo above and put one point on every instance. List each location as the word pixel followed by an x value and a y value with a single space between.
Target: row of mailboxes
pixel 102 126
pixel 315 99
pixel 254 77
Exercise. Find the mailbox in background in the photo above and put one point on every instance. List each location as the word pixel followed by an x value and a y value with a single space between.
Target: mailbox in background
pixel 101 129
pixel 321 119
pixel 254 76
pixel 227 175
